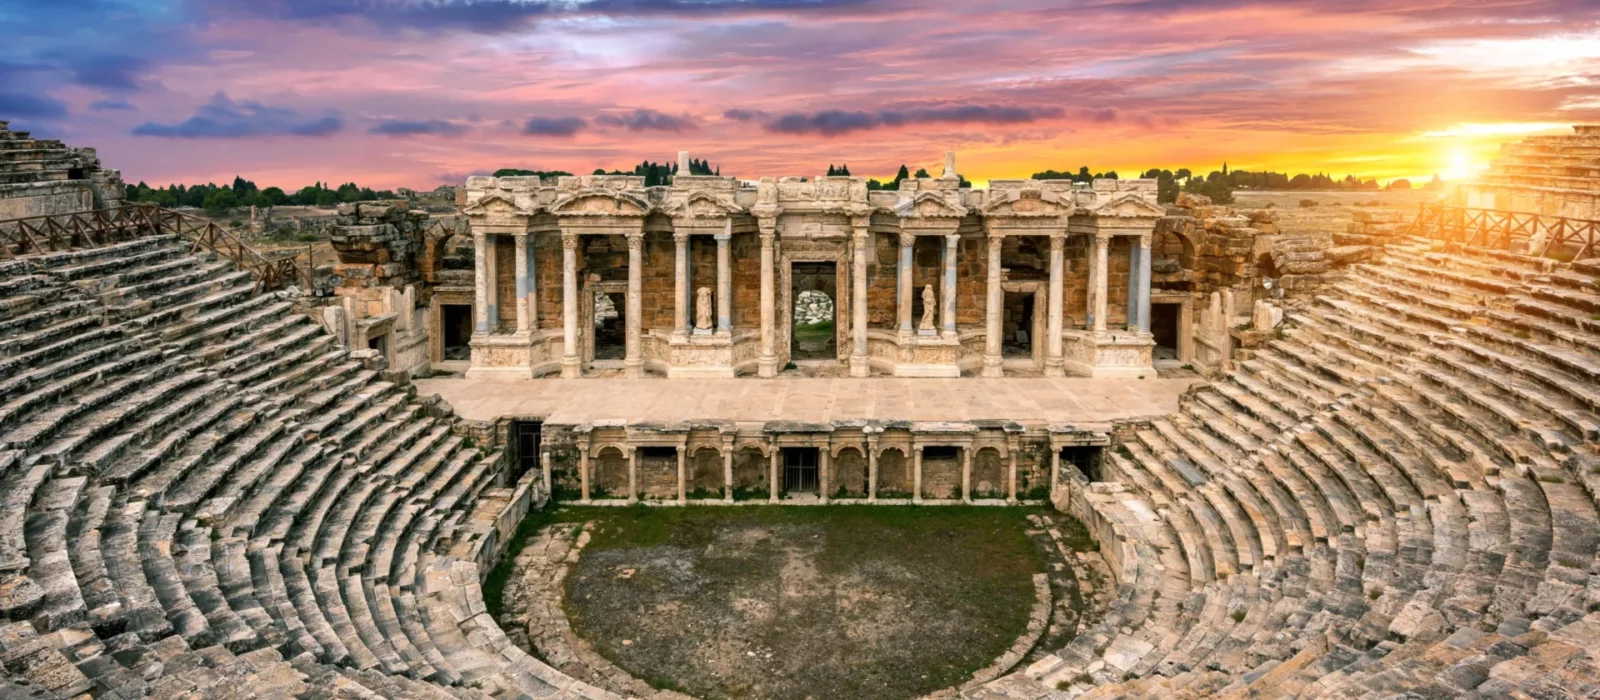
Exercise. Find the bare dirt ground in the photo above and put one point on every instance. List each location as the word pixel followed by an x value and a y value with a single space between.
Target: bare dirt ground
pixel 838 602
pixel 1332 210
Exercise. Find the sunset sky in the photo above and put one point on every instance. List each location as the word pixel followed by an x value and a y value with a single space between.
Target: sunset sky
pixel 418 93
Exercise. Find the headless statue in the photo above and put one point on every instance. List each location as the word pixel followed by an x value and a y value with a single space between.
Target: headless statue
pixel 930 307
pixel 702 309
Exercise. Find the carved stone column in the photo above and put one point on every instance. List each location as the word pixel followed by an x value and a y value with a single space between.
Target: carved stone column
pixel 1054 364
pixel 724 282
pixel 683 478
pixel 633 358
pixel 524 321
pixel 824 465
pixel 966 474
pixel 680 291
pixel 583 471
pixel 859 366
pixel 571 366
pixel 872 469
pixel 951 243
pixel 633 473
pixel 1134 252
pixel 1143 324
pixel 772 479
pixel 727 469
pixel 767 361
pixel 480 285
pixel 903 278
pixel 1011 475
pixel 916 473
pixel 994 304
pixel 1055 468
pixel 491 282
pixel 1100 292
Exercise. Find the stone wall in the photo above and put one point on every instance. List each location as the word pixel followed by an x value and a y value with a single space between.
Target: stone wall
pixel 44 177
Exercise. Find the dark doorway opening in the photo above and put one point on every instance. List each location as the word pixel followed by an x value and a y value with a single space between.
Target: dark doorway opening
pixel 525 441
pixel 1164 326
pixel 456 323
pixel 1017 325
pixel 379 343
pixel 800 469
pixel 610 322
pixel 813 313
pixel 1085 459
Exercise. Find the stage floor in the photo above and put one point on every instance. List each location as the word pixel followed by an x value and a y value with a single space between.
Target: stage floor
pixel 810 400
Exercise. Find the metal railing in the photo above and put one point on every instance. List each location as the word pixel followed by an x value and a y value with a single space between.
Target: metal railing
pixel 1542 234
pixel 130 221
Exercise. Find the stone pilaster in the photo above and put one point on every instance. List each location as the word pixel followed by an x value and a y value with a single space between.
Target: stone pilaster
pixel 680 289
pixel 1011 471
pixel 725 282
pixel 767 361
pixel 480 284
pixel 1134 252
pixel 858 299
pixel 1054 364
pixel 994 301
pixel 633 357
pixel 633 473
pixel 824 465
pixel 727 468
pixel 903 278
pixel 966 474
pixel 1099 292
pixel 583 471
pixel 524 320
pixel 951 246
pixel 571 365
pixel 683 480
pixel 772 478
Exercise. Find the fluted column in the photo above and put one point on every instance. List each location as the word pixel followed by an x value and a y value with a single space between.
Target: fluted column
pixel 523 319
pixel 680 290
pixel 858 303
pixel 1143 324
pixel 1011 472
pixel 992 312
pixel 767 362
pixel 951 243
pixel 1054 365
pixel 1102 243
pixel 571 366
pixel 725 282
pixel 480 285
pixel 633 357
pixel 903 278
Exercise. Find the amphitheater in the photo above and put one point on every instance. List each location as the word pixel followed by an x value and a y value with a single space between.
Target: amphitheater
pixel 220 478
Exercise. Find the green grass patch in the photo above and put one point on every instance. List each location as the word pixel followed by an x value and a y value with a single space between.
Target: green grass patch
pixel 814 332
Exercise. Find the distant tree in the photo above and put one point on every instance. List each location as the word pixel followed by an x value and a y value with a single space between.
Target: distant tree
pixel 326 198
pixel 274 197
pixel 1400 184
pixel 219 202
pixel 922 172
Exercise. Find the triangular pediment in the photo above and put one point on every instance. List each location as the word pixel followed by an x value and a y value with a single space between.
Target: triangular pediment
pixel 931 204
pixel 701 205
pixel 1028 202
pixel 600 202
pixel 1129 205
pixel 496 204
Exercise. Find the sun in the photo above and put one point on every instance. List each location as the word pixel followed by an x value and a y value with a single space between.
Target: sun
pixel 1459 164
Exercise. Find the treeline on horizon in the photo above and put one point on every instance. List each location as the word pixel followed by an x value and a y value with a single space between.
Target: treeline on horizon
pixel 218 199
pixel 654 174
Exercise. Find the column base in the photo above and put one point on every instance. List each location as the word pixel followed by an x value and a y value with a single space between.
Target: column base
pixel 859 367
pixel 992 366
pixel 1055 367
pixel 767 366
pixel 633 368
pixel 571 367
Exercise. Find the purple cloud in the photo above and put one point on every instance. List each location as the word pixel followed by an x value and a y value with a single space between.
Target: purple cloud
pixel 224 118
pixel 837 122
pixel 554 126
pixel 646 120
pixel 431 127
pixel 112 105
pixel 25 105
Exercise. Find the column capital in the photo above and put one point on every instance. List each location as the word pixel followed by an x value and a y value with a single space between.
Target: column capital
pixel 635 241
pixel 1058 242
pixel 1103 237
pixel 952 239
pixel 996 243
pixel 767 239
pixel 569 241
pixel 1145 239
pixel 722 237
pixel 907 240
pixel 680 236
pixel 860 223
pixel 521 238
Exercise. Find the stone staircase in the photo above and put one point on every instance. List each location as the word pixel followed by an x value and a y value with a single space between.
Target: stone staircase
pixel 1398 498
pixel 202 496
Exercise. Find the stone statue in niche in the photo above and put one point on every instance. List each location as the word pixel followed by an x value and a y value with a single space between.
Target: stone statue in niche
pixel 930 307
pixel 702 309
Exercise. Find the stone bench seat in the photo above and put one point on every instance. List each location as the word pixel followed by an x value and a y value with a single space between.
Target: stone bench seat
pixel 1583 302
pixel 1337 369
pixel 155 544
pixel 1554 406
pixel 1387 282
pixel 1511 420
pixel 1561 316
pixel 38 430
pixel 160 312
pixel 1264 401
pixel 1267 369
pixel 92 263
pixel 257 335
pixel 1143 471
pixel 191 557
pixel 238 481
pixel 375 422
pixel 242 512
pixel 236 582
pixel 40 317
pixel 36 659
pixel 141 610
pixel 1421 462
pixel 30 389
pixel 1455 284
pixel 1231 544
pixel 1397 335
pixel 1364 493
pixel 50 566
pixel 399 435
pixel 1528 553
pixel 1350 517
pixel 200 482
pixel 190 406
pixel 1352 368
pixel 218 324
pixel 366 627
pixel 155 281
pixel 1417 314
pixel 1557 378
pixel 310 611
pixel 94 428
pixel 18 485
pixel 273 595
pixel 306 369
pixel 1231 402
pixel 283 513
pixel 150 461
pixel 1364 445
pixel 236 367
pixel 22 347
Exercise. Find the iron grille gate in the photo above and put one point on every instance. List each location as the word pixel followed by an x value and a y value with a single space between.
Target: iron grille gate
pixel 800 469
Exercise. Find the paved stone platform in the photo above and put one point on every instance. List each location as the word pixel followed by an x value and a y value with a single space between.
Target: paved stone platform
pixel 818 400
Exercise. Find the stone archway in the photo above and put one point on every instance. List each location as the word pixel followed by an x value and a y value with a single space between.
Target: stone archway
pixel 849 474
pixel 989 474
pixel 705 472
pixel 894 474
pixel 610 474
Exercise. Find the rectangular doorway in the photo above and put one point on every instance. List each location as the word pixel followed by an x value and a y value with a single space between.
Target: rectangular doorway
pixel 1164 326
pixel 610 324
pixel 813 306
pixel 1018 325
pixel 1084 458
pixel 456 325
pixel 525 436
pixel 800 469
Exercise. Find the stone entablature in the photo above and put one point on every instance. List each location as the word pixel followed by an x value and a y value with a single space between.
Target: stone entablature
pixel 878 241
